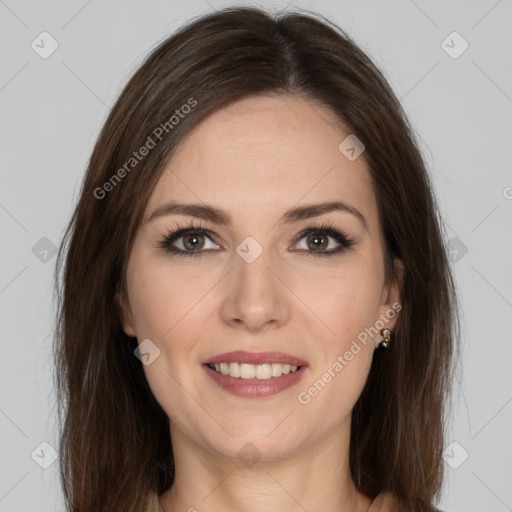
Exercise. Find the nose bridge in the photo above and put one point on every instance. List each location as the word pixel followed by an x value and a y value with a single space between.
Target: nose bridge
pixel 253 278
pixel 255 297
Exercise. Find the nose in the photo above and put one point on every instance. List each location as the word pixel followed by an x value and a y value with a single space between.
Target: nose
pixel 256 300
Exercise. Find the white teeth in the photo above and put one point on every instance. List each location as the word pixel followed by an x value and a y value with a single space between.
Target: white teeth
pixel 234 370
pixel 264 371
pixel 247 371
pixel 254 371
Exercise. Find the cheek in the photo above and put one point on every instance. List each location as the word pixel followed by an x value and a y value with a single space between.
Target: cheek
pixel 153 305
pixel 349 384
pixel 162 300
pixel 167 312
pixel 347 304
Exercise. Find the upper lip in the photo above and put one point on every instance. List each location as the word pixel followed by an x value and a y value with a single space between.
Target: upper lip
pixel 256 358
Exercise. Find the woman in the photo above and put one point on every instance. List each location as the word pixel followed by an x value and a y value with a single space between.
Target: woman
pixel 256 310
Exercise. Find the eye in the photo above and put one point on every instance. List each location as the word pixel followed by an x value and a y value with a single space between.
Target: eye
pixel 323 241
pixel 191 240
pixel 188 241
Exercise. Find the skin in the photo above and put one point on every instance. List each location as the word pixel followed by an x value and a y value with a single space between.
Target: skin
pixel 256 159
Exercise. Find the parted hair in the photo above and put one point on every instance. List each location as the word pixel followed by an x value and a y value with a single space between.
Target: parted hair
pixel 114 438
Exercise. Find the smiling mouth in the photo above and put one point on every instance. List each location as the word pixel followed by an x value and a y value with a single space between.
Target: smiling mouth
pixel 264 371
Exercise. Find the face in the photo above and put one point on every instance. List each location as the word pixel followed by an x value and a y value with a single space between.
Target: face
pixel 258 287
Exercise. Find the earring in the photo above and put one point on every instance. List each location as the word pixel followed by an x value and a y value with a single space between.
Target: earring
pixel 386 334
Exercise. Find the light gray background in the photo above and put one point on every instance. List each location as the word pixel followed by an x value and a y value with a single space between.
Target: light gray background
pixel 51 113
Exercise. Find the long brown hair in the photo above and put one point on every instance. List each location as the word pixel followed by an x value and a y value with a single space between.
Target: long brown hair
pixel 114 444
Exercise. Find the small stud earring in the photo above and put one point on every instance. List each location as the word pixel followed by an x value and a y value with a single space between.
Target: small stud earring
pixel 386 334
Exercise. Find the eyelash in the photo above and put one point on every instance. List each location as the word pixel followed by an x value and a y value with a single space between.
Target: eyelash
pixel 325 228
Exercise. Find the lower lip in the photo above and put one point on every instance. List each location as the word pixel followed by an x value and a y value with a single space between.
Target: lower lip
pixel 255 388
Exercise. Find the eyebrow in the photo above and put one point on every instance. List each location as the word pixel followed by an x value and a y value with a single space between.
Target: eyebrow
pixel 220 217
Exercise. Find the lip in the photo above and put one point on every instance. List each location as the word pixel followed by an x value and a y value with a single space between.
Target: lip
pixel 256 358
pixel 255 388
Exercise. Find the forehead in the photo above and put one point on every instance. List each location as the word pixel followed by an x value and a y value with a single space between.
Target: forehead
pixel 261 155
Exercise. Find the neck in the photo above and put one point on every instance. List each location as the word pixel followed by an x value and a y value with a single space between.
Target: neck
pixel 315 478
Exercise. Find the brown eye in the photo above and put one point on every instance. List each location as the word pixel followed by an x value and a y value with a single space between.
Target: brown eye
pixel 320 241
pixel 317 242
pixel 193 241
pixel 323 241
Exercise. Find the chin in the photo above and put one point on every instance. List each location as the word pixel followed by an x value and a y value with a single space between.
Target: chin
pixel 266 440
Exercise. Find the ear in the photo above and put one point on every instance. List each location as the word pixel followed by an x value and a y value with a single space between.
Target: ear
pixel 125 315
pixel 391 302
